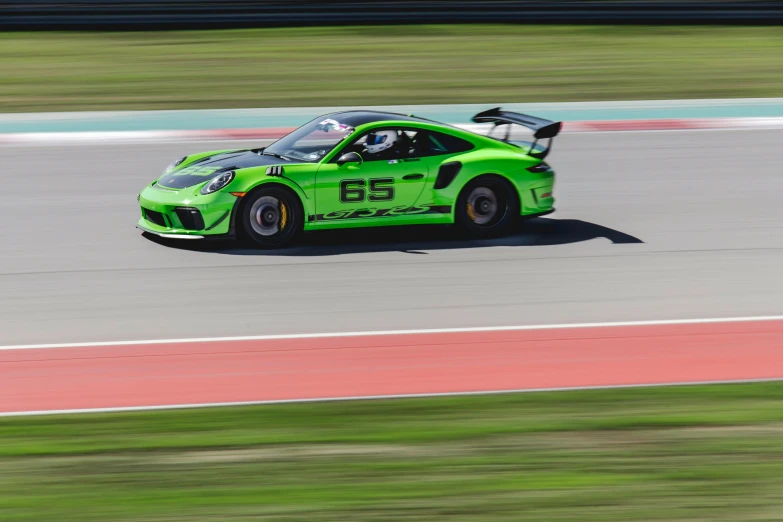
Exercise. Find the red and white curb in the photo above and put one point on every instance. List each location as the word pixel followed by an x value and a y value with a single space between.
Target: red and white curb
pixel 160 136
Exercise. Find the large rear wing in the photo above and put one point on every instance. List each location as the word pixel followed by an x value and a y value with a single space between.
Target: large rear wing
pixel 542 129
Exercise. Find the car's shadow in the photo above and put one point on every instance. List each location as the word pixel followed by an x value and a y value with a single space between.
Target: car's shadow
pixel 415 240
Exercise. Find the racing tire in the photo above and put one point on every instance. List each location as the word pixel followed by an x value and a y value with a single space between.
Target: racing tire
pixel 487 207
pixel 272 216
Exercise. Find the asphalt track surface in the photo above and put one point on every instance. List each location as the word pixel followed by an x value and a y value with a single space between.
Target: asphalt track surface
pixel 650 225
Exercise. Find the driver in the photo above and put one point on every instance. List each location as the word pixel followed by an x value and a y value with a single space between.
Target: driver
pixel 380 145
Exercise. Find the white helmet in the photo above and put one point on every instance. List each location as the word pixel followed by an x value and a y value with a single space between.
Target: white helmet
pixel 378 141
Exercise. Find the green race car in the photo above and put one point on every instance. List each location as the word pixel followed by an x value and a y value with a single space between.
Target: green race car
pixel 357 169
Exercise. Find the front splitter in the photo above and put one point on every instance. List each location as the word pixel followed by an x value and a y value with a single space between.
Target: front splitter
pixel 170 236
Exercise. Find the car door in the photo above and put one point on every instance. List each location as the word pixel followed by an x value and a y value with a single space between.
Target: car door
pixel 374 188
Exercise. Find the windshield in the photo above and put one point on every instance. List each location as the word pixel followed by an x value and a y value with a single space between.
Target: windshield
pixel 312 141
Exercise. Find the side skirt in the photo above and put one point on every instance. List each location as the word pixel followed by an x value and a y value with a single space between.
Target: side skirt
pixel 525 217
pixel 431 219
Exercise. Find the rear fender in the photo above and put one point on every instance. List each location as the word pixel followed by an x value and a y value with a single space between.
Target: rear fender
pixel 511 169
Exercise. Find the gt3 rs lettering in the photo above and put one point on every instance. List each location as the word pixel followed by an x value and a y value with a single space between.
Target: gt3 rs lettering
pixel 337 214
pixel 422 210
pixel 384 212
pixel 401 211
pixel 352 190
pixel 364 213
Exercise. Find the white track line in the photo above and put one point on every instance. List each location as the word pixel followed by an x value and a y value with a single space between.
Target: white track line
pixel 376 333
pixel 374 397
pixel 194 136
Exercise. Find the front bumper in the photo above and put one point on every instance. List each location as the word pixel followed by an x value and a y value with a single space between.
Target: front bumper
pixel 167 234
pixel 182 214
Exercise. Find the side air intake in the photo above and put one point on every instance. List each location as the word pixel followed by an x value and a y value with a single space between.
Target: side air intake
pixel 447 173
pixel 190 218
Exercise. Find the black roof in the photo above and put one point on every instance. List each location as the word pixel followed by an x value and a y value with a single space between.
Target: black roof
pixel 356 118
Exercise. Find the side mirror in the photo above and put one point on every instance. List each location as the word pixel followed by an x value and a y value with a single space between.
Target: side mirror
pixel 350 157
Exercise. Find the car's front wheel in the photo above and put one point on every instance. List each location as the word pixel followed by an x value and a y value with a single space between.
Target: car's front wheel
pixel 272 216
pixel 487 207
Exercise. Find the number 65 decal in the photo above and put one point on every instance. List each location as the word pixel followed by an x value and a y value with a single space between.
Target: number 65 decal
pixel 353 191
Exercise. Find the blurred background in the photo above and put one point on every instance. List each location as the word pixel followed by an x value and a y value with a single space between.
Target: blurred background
pixel 669 208
pixel 106 55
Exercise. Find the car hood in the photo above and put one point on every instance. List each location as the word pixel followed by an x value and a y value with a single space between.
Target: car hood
pixel 205 169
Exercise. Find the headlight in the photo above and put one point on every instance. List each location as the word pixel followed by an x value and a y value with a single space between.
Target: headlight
pixel 174 165
pixel 218 182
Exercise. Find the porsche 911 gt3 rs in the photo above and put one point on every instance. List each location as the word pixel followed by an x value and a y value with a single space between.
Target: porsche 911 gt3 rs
pixel 358 169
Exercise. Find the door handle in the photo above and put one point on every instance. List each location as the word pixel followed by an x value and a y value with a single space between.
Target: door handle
pixel 413 176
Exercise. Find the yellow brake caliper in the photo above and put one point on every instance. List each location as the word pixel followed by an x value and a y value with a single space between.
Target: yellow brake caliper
pixel 471 214
pixel 283 215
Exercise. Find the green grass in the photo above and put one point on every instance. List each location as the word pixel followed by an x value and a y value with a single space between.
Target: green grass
pixel 673 454
pixel 384 65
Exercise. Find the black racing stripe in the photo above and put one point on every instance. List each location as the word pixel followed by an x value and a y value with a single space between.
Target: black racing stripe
pixel 384 212
pixel 441 209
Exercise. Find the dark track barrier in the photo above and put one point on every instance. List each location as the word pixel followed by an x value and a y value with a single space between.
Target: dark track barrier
pixel 193 14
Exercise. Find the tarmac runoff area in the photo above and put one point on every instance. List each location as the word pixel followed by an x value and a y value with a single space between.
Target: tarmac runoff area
pixel 651 226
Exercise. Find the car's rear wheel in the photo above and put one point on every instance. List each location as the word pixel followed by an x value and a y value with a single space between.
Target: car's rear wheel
pixel 487 207
pixel 272 216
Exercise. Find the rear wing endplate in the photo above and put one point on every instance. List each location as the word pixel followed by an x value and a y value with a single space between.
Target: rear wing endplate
pixel 542 129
